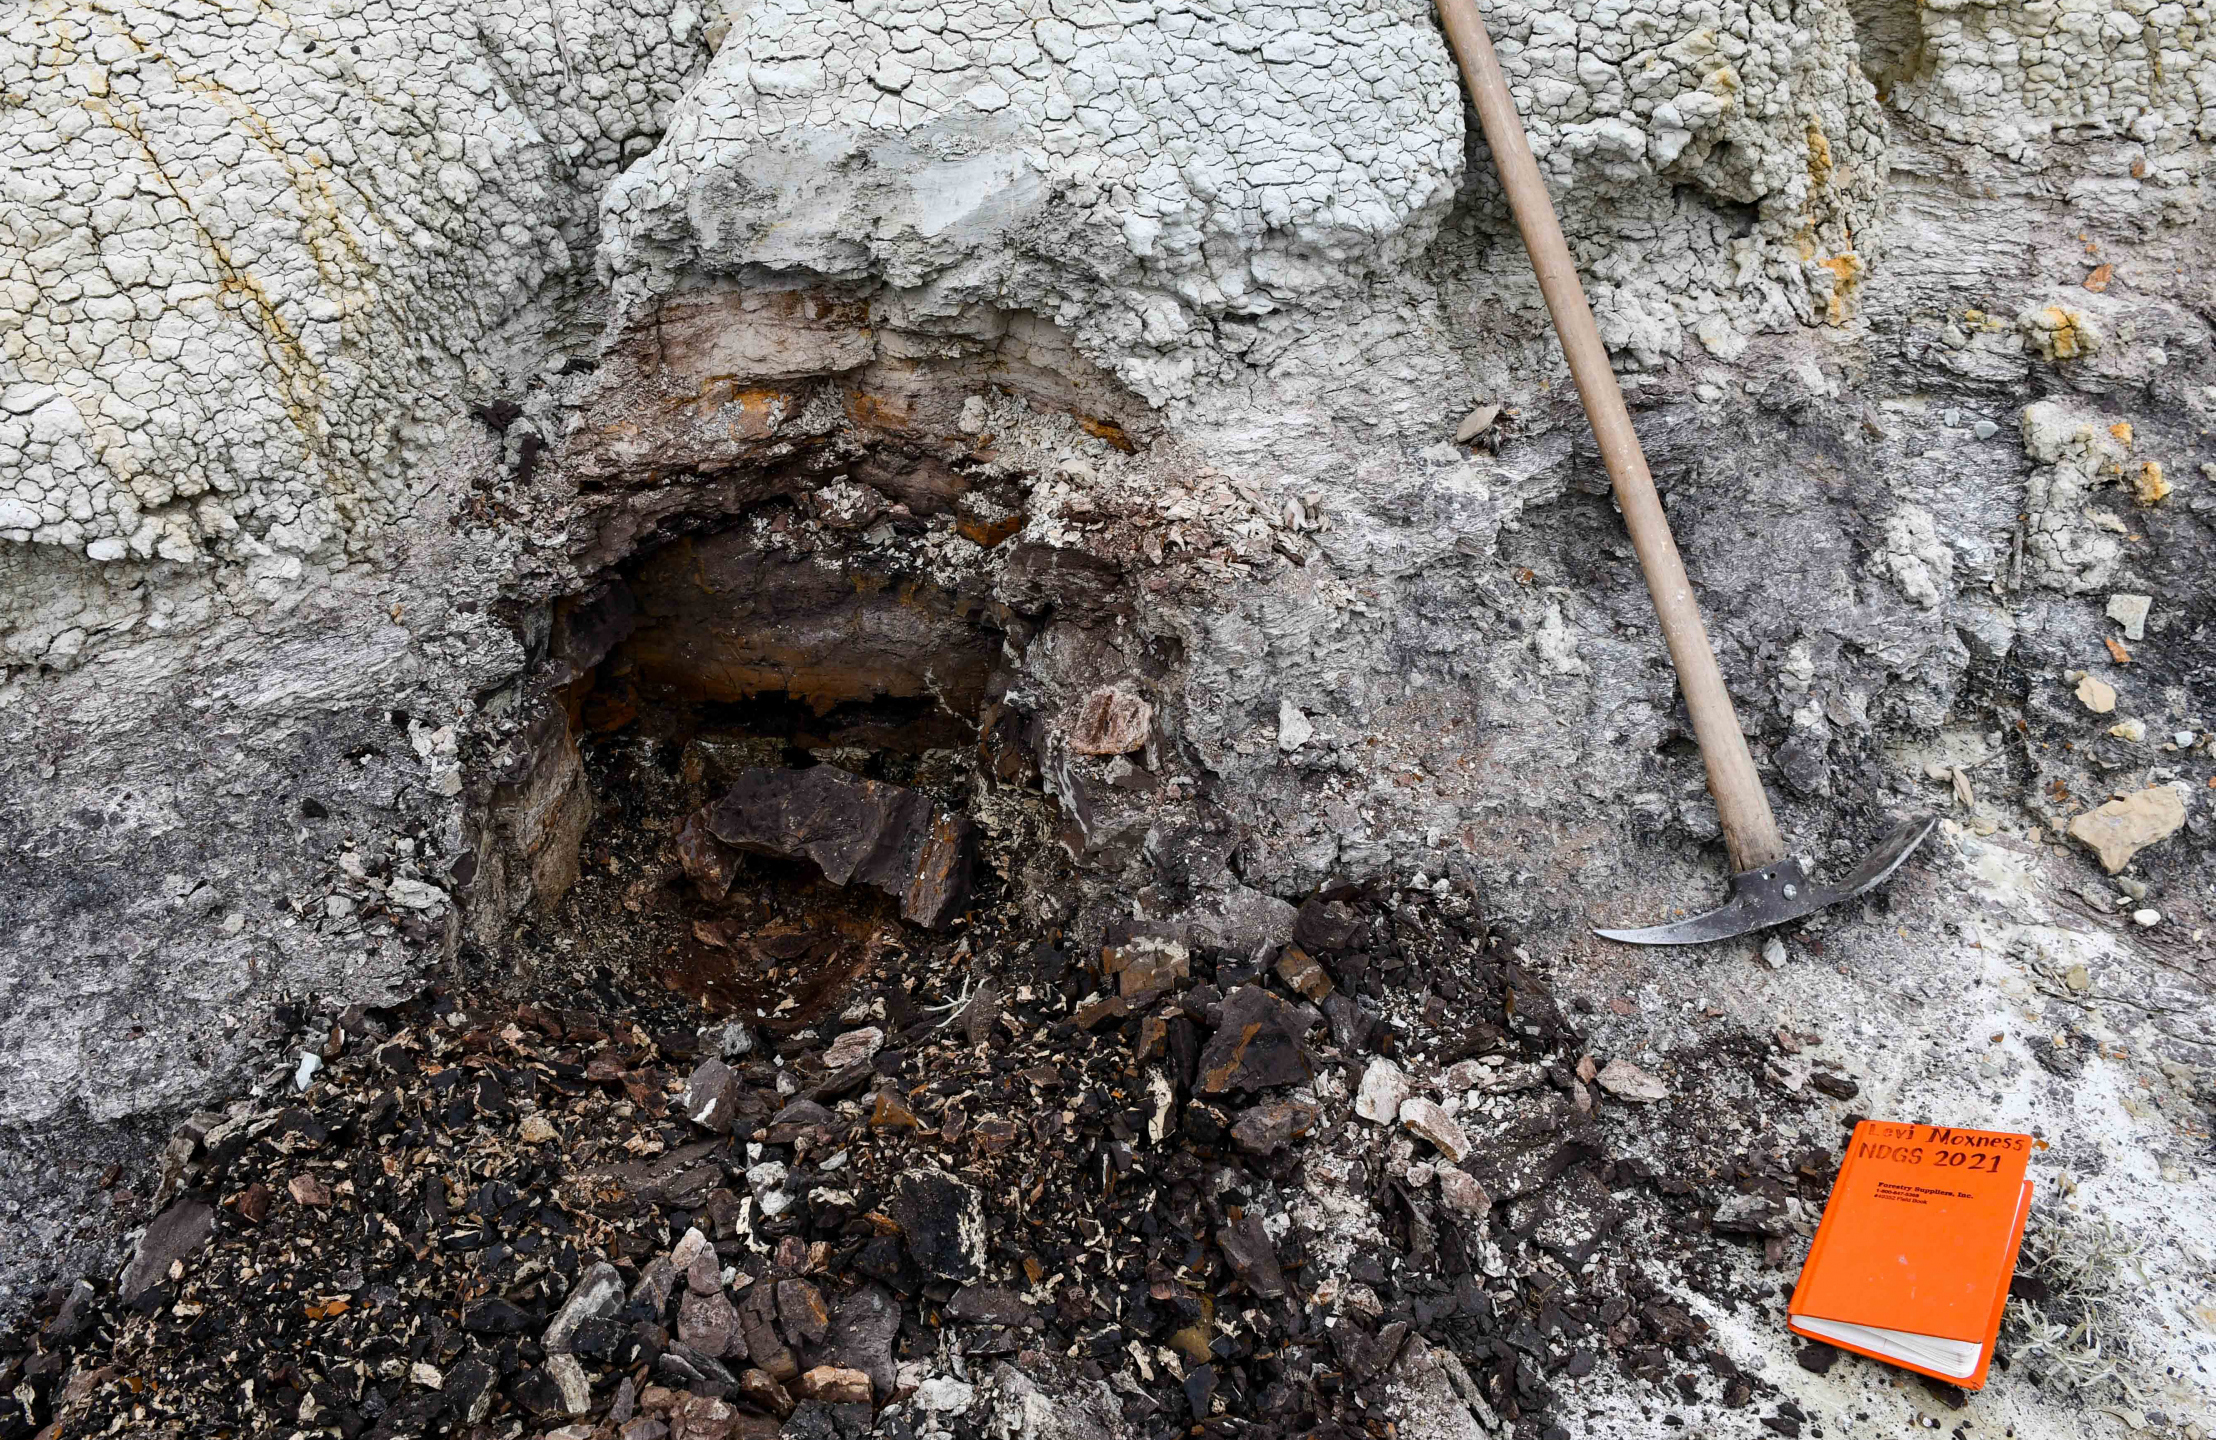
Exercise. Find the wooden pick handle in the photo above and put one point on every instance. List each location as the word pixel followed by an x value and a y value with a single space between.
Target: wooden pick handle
pixel 1750 830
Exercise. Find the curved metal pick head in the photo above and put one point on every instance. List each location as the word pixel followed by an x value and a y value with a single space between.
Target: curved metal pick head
pixel 1781 892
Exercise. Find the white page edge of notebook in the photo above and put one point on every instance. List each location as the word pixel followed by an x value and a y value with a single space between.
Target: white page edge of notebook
pixel 1953 1357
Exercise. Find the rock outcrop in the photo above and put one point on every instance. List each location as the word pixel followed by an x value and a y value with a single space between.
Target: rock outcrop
pixel 349 366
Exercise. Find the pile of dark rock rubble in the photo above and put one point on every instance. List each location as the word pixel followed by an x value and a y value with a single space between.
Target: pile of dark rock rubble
pixel 998 1185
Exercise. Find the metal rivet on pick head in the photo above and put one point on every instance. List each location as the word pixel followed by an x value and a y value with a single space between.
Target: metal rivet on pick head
pixel 1791 891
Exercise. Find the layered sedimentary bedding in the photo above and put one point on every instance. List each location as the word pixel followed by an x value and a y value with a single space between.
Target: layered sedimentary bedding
pixel 397 402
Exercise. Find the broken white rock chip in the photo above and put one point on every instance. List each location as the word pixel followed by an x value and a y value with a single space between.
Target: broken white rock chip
pixel 1427 1120
pixel 1627 1081
pixel 732 1040
pixel 1511 1078
pixel 1476 423
pixel 414 894
pixel 2122 828
pixel 767 1180
pixel 2130 611
pixel 569 1377
pixel 1384 1087
pixel 689 1247
pixel 944 1395
pixel 1460 1192
pixel 1294 728
pixel 1462 1075
pixel 853 1047
pixel 2097 696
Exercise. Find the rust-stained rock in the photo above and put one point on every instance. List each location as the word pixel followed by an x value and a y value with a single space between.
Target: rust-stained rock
pixel 1146 963
pixel 761 1388
pixel 1271 1127
pixel 857 832
pixel 709 863
pixel 1106 1010
pixel 890 1112
pixel 708 379
pixel 702 1417
pixel 1112 721
pixel 1257 1045
pixel 801 1311
pixel 1299 969
pixel 1154 1034
pixel 834 1385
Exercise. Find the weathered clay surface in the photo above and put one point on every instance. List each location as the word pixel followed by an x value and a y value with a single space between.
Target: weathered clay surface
pixel 1147 334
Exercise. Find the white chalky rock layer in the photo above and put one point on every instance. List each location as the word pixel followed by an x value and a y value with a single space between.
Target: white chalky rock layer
pixel 1156 180
pixel 1170 184
pixel 238 245
pixel 1757 108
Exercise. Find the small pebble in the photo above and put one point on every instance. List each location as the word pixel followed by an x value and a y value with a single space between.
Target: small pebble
pixel 1954 417
pixel 2146 919
pixel 310 1062
pixel 2183 739
pixel 1773 952
pixel 1985 430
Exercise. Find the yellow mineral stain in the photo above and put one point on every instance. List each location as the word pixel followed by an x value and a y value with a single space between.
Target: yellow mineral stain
pixel 2064 340
pixel 1847 270
pixel 1819 156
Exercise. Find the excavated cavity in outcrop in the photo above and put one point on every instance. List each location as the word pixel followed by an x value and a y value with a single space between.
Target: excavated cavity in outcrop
pixel 806 538
pixel 735 631
pixel 747 656
pixel 811 552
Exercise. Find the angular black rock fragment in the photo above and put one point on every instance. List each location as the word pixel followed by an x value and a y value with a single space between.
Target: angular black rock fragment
pixel 857 832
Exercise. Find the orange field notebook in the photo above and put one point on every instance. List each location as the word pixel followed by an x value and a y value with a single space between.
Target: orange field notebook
pixel 1912 1261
